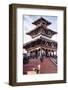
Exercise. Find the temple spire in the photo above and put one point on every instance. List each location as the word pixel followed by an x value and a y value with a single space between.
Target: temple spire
pixel 41 21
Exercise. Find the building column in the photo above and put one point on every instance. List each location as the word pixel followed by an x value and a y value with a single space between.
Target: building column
pixel 28 54
pixel 56 53
pixel 36 54
pixel 40 53
pixel 53 53
pixel 46 52
pixel 50 52
pixel 41 58
pixel 31 54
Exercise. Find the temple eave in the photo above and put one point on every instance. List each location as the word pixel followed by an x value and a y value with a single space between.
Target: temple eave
pixel 35 30
pixel 40 42
pixel 38 20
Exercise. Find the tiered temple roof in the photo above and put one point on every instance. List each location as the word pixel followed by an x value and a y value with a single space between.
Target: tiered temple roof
pixel 41 42
pixel 41 30
pixel 41 50
pixel 44 21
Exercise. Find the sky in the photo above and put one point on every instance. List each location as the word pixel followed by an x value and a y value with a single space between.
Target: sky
pixel 28 26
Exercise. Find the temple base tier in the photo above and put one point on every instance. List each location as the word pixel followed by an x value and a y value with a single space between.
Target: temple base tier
pixel 40 66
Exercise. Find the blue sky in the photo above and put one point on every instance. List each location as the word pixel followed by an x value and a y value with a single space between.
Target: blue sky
pixel 27 25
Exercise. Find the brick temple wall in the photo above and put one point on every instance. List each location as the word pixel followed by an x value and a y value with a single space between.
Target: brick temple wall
pixel 46 66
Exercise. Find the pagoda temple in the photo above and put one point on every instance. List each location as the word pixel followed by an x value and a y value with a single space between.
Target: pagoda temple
pixel 42 50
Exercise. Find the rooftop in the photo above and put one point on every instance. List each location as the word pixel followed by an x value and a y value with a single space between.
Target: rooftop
pixel 41 19
pixel 35 41
pixel 40 27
